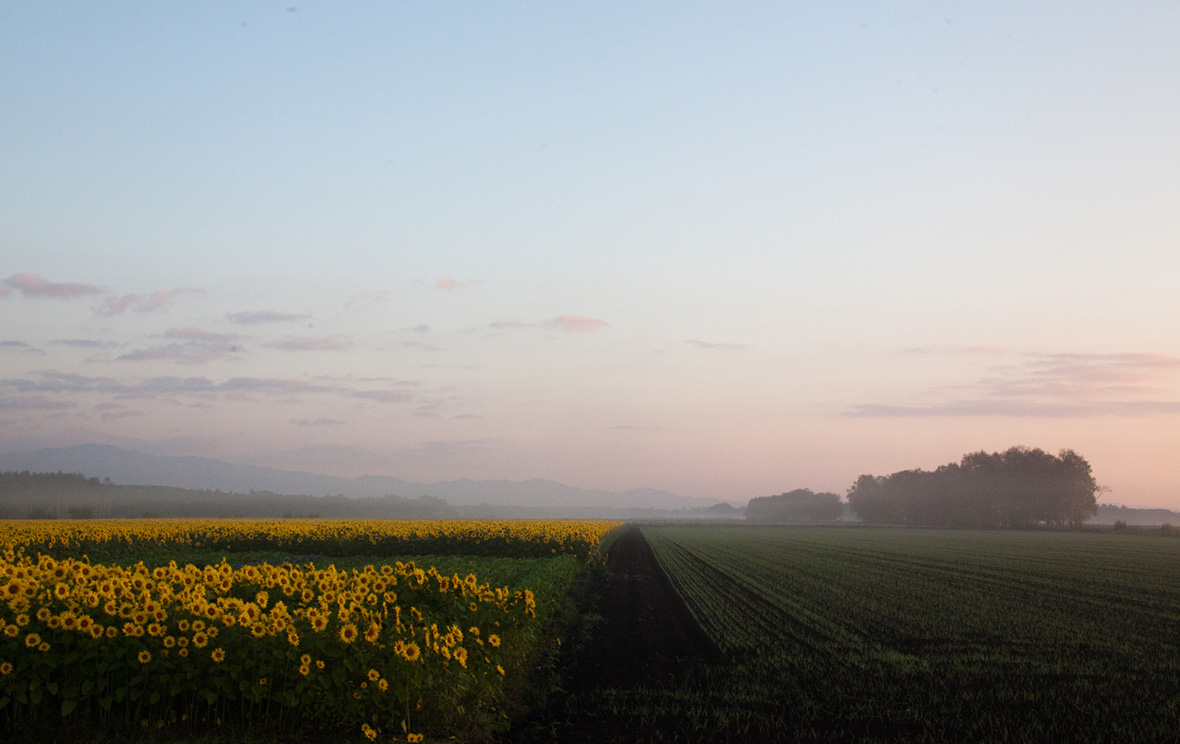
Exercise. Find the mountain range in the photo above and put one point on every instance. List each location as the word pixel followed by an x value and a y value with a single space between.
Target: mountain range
pixel 130 467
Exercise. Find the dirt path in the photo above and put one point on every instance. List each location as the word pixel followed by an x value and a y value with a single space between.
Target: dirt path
pixel 646 637
pixel 646 631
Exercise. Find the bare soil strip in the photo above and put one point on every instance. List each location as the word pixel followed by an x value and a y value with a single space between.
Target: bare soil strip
pixel 646 637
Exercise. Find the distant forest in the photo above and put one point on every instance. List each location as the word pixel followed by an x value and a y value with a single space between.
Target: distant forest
pixel 27 495
pixel 800 505
pixel 1019 487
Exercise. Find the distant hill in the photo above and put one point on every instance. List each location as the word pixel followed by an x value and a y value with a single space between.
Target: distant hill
pixel 130 467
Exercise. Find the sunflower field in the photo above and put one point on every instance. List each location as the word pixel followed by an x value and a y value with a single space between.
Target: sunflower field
pixel 384 650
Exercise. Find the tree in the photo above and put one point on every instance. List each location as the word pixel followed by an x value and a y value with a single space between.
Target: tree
pixel 800 505
pixel 1019 487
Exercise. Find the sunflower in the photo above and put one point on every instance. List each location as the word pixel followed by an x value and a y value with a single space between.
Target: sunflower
pixel 411 652
pixel 32 640
pixel 6 668
pixel 218 655
pixel 348 633
pixel 144 657
pixel 373 633
pixel 374 675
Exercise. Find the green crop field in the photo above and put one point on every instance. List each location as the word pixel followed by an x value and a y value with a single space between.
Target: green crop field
pixel 928 635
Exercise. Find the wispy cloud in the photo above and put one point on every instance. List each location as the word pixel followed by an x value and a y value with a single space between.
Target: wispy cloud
pixel 310 343
pixel 959 350
pixel 34 403
pixel 45 382
pixel 317 422
pixel 114 411
pixel 1020 409
pixel 20 346
pixel 421 345
pixel 190 353
pixel 192 346
pixel 503 325
pixel 192 333
pixel 563 323
pixel 575 323
pixel 716 345
pixel 35 285
pixel 1053 385
pixel 142 303
pixel 450 282
pixel 85 343
pixel 259 317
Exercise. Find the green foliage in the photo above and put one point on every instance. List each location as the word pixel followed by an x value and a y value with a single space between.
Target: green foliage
pixel 800 505
pixel 894 635
pixel 1019 487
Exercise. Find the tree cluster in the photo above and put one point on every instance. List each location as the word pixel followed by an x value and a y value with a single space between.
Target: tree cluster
pixel 1020 487
pixel 800 505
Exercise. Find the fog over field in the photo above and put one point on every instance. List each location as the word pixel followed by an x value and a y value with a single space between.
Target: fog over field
pixel 701 254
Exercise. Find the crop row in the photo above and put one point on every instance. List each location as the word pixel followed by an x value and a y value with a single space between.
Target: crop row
pixel 931 635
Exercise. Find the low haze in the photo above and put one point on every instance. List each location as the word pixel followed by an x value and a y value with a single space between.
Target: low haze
pixel 721 250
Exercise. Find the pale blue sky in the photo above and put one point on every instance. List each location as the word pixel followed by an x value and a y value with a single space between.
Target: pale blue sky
pixel 723 250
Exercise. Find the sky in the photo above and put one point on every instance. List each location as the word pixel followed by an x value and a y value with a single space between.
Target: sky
pixel 725 250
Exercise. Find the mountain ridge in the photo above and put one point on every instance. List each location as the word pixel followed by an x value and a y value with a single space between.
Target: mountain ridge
pixel 132 467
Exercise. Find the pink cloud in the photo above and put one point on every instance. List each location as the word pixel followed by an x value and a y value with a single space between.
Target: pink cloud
pixel 310 343
pixel 1054 386
pixel 965 350
pixel 450 282
pixel 158 300
pixel 34 285
pixel 575 323
pixel 718 346
pixel 420 345
pixel 69 383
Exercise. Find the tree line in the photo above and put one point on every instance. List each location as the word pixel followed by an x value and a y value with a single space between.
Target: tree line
pixel 26 495
pixel 1020 487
